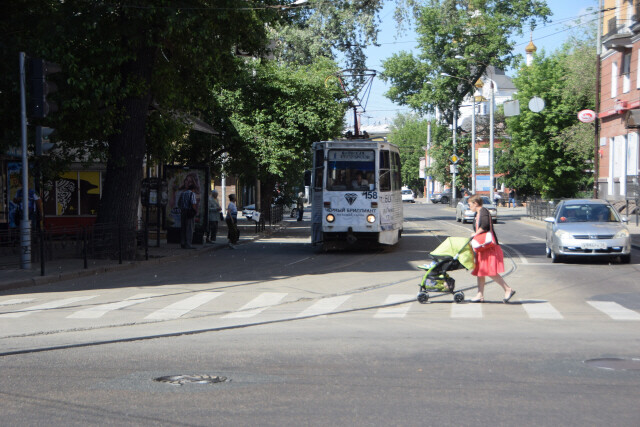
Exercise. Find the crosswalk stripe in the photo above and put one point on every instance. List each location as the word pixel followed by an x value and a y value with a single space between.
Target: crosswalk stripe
pixel 47 306
pixel 541 309
pixel 257 305
pixel 466 311
pixel 101 310
pixel 16 301
pixel 182 307
pixel 398 310
pixel 614 310
pixel 324 306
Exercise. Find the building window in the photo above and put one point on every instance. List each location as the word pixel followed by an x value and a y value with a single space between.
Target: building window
pixel 614 79
pixel 626 72
pixel 72 194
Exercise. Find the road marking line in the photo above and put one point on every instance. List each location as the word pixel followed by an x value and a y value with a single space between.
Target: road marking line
pixel 466 311
pixel 47 306
pixel 258 304
pixel 295 262
pixel 324 306
pixel 101 310
pixel 16 301
pixel 523 260
pixel 395 311
pixel 182 307
pixel 540 309
pixel 614 310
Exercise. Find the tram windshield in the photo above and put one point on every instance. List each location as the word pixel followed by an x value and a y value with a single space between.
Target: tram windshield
pixel 351 170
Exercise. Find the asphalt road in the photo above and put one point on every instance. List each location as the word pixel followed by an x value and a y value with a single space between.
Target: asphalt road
pixel 310 338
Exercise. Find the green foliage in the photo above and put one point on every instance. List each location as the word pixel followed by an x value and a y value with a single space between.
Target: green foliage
pixel 549 151
pixel 479 31
pixel 409 133
pixel 281 110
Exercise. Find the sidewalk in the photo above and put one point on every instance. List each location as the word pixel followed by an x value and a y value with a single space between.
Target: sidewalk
pixel 69 268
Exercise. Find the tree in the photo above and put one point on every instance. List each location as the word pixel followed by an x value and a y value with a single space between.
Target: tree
pixel 457 37
pixel 549 151
pixel 409 133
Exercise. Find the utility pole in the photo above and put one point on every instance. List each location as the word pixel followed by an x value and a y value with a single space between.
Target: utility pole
pixel 596 142
pixel 25 225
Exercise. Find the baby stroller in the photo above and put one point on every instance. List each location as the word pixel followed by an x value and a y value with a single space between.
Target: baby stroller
pixel 452 254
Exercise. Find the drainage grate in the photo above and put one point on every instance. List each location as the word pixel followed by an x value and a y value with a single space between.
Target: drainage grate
pixel 615 364
pixel 191 379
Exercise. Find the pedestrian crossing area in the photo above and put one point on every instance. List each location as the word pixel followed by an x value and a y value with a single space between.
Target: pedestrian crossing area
pixel 158 307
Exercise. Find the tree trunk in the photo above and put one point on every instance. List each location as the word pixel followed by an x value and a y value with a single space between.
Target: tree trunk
pixel 127 147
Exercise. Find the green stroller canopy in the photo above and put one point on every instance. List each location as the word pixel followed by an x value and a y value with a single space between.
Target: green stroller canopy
pixel 454 245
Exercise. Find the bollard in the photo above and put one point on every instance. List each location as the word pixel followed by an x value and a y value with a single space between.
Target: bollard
pixel 84 247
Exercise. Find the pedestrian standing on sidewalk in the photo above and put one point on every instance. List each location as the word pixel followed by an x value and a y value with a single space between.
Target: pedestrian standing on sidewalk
pixel 232 221
pixel 490 261
pixel 512 197
pixel 214 216
pixel 188 209
pixel 300 205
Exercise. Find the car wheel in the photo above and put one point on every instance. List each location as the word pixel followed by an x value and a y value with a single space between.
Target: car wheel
pixel 625 259
pixel 547 250
pixel 444 200
pixel 555 258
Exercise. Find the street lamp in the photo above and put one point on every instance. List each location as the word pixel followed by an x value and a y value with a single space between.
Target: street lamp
pixel 477 85
pixel 491 119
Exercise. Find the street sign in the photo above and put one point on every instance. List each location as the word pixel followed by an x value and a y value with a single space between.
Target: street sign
pixel 453 168
pixel 536 104
pixel 454 159
pixel 587 116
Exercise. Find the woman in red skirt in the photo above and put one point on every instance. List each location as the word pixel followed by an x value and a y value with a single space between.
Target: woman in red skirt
pixel 489 262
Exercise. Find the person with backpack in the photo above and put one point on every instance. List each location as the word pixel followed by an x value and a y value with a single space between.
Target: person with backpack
pixel 188 209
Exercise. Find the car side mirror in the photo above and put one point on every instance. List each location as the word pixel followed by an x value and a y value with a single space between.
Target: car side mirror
pixel 624 219
pixel 550 219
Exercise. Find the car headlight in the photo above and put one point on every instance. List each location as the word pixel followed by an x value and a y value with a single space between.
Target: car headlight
pixel 621 234
pixel 371 219
pixel 331 218
pixel 562 234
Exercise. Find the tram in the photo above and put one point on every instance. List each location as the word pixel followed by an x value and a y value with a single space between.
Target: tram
pixel 356 192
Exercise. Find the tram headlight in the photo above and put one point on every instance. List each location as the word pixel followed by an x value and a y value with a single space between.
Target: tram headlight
pixel 331 218
pixel 371 219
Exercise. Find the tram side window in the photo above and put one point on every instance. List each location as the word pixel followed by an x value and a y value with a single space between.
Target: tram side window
pixel 396 179
pixel 318 170
pixel 385 171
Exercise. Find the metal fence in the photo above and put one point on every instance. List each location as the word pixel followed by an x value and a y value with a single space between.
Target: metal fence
pixel 538 208
pixel 104 241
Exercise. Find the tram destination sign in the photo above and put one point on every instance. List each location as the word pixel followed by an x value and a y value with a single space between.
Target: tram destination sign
pixel 351 155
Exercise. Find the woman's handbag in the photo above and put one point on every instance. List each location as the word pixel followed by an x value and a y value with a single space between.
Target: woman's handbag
pixel 483 241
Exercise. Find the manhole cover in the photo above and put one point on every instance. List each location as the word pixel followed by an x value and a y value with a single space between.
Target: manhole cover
pixel 615 364
pixel 191 379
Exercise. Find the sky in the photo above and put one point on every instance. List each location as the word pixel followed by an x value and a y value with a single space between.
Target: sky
pixel 380 110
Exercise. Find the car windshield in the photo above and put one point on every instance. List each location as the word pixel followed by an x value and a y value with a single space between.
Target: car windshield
pixel 351 170
pixel 485 200
pixel 406 192
pixel 587 213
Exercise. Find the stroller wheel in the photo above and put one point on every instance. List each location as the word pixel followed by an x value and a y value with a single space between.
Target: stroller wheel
pixel 458 297
pixel 423 297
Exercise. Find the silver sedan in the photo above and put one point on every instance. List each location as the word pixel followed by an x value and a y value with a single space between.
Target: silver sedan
pixel 464 214
pixel 587 228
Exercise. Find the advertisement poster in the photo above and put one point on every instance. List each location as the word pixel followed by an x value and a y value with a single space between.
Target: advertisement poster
pixel 178 180
pixel 14 172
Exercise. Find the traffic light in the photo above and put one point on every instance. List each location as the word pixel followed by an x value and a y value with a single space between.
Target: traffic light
pixel 42 140
pixel 39 69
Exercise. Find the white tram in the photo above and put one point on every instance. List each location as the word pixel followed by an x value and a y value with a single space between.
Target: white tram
pixel 356 192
